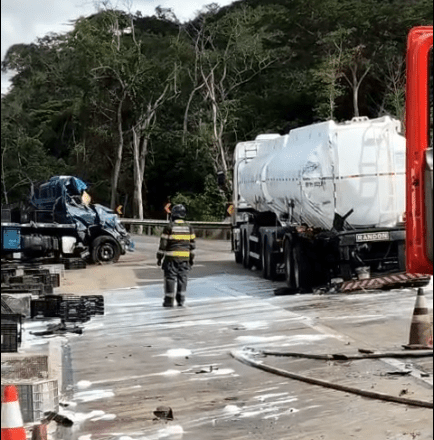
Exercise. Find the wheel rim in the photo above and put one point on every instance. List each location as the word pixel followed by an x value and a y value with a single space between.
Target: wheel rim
pixel 106 252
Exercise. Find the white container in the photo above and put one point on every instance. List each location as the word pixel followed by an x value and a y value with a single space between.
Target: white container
pixel 327 169
pixel 68 244
pixel 363 273
pixel 36 398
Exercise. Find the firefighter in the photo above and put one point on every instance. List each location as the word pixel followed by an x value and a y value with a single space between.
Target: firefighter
pixel 176 256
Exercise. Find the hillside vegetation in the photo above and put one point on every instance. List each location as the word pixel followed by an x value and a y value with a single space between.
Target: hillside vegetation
pixel 147 109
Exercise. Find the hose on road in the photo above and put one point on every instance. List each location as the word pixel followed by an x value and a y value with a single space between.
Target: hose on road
pixel 344 357
pixel 369 394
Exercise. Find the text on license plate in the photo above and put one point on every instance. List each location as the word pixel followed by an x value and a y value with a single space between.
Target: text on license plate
pixel 377 236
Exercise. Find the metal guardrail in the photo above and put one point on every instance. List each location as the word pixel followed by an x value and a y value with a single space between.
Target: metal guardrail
pixel 213 230
pixel 162 223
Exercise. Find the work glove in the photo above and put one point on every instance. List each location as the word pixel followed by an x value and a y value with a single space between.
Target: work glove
pixel 191 262
pixel 159 262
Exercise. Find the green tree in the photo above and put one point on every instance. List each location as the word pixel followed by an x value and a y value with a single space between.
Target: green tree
pixel 230 52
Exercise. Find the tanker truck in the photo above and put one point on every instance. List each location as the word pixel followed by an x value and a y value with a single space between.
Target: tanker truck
pixel 324 202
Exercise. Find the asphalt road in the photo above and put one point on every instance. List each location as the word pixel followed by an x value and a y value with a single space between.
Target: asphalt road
pixel 140 356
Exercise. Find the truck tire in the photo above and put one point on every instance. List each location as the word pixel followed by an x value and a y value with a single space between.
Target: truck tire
pixel 264 256
pixel 269 264
pixel 301 271
pixel 105 250
pixel 237 250
pixel 289 265
pixel 247 261
pixel 238 257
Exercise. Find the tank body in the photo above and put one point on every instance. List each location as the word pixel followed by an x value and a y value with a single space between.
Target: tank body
pixel 321 170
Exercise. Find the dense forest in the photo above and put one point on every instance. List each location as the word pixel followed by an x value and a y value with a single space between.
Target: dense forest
pixel 149 109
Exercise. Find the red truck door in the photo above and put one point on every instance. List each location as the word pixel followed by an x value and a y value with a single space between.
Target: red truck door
pixel 419 151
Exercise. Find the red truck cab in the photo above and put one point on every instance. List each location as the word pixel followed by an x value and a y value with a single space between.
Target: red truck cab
pixel 419 134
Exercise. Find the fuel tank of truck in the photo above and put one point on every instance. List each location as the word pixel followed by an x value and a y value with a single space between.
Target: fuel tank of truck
pixel 321 170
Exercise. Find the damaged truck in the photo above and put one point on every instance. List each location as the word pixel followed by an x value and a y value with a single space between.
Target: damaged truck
pixel 59 221
pixel 324 204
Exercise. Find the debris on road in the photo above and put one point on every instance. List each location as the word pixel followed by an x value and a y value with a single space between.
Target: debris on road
pixel 58 418
pixel 164 413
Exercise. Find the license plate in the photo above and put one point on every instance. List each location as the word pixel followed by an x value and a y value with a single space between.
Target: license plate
pixel 376 236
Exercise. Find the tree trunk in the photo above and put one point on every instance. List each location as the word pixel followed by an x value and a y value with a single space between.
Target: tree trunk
pixel 118 161
pixel 138 180
pixel 5 192
pixel 356 102
pixel 187 111
pixel 355 84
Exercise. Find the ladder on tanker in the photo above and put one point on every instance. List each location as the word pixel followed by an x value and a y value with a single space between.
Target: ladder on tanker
pixel 250 151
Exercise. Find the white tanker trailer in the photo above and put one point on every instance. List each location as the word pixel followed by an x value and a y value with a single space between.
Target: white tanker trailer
pixel 325 201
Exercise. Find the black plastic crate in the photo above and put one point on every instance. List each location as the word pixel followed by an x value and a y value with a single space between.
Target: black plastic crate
pixel 55 279
pixel 23 279
pixel 75 309
pixel 36 271
pixel 6 215
pixel 45 308
pixel 7 272
pixel 10 332
pixel 96 304
pixel 32 280
pixel 9 338
pixel 74 263
pixel 35 289
pixel 45 277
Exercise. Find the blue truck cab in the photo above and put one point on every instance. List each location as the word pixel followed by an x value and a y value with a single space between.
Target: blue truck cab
pixel 61 221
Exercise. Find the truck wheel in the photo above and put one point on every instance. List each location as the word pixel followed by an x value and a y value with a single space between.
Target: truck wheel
pixel 238 251
pixel 301 272
pixel 238 257
pixel 269 269
pixel 105 250
pixel 265 258
pixel 247 261
pixel 289 265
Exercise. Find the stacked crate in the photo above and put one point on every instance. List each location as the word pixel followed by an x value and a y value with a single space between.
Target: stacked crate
pixel 36 398
pixel 10 332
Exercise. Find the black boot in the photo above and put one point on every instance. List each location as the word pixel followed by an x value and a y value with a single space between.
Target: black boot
pixel 180 299
pixel 169 301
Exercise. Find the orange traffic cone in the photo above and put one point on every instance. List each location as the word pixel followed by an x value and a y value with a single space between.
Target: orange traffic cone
pixel 421 334
pixel 39 432
pixel 12 419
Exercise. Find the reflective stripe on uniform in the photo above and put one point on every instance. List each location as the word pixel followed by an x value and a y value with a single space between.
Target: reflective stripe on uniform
pixel 179 237
pixel 179 254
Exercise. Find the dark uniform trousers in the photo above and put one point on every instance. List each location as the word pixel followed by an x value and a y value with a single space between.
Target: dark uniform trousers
pixel 175 281
pixel 176 247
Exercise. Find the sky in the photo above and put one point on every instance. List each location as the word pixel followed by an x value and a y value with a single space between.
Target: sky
pixel 22 21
